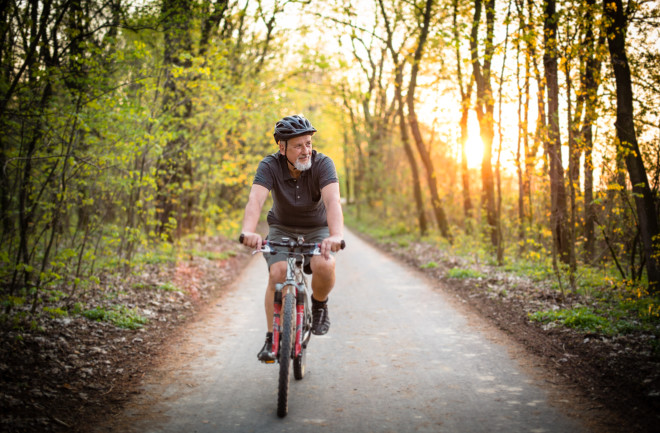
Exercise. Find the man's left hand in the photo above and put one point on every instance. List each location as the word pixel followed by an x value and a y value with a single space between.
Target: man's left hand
pixel 330 244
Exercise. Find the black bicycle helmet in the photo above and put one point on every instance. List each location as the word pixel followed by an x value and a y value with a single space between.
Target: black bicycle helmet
pixel 291 127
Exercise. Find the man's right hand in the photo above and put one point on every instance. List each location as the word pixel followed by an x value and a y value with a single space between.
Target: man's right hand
pixel 252 240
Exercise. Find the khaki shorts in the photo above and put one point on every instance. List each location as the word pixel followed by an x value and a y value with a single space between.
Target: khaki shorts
pixel 276 233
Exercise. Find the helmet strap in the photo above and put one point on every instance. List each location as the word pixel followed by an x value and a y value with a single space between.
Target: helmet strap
pixel 286 145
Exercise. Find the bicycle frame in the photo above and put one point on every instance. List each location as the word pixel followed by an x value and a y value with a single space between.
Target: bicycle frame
pixel 296 280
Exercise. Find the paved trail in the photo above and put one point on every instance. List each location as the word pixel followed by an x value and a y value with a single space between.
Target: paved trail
pixel 399 358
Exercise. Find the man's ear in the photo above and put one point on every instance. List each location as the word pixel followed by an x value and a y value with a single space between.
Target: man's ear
pixel 281 144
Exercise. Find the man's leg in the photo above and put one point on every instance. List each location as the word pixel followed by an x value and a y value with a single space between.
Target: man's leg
pixel 277 274
pixel 323 277
pixel 323 280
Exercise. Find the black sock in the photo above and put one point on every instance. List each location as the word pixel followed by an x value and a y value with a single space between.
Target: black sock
pixel 269 336
pixel 318 303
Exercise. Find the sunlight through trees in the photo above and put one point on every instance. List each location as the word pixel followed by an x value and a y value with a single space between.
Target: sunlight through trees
pixel 529 127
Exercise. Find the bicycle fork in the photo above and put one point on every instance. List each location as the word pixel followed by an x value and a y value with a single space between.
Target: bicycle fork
pixel 277 322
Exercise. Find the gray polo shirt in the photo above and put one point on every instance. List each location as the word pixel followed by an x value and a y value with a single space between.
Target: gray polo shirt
pixel 296 202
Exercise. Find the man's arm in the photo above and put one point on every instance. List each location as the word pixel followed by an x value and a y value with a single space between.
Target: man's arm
pixel 258 196
pixel 331 199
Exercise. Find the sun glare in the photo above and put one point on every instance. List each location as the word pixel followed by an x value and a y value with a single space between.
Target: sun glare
pixel 474 147
pixel 474 150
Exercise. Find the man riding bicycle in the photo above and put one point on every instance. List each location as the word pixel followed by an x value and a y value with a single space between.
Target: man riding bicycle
pixel 306 202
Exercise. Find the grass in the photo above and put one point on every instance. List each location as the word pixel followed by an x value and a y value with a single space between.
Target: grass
pixel 119 315
pixel 459 273
pixel 169 287
pixel 582 318
pixel 606 322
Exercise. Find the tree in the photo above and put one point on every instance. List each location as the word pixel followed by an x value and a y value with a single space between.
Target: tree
pixel 647 216
pixel 590 81
pixel 557 188
pixel 424 153
pixel 485 108
pixel 466 97
pixel 174 167
pixel 403 126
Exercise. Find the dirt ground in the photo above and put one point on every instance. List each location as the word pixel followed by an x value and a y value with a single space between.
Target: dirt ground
pixel 71 371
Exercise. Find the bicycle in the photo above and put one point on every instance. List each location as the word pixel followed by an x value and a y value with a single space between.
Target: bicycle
pixel 291 336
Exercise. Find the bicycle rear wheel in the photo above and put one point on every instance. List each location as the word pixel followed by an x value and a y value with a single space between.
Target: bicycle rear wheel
pixel 286 347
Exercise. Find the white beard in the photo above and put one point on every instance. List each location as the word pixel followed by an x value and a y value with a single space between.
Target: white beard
pixel 300 166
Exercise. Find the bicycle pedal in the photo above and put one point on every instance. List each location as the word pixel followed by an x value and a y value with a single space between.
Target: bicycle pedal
pixel 269 362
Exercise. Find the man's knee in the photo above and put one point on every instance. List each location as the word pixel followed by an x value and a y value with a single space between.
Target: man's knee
pixel 323 267
pixel 277 272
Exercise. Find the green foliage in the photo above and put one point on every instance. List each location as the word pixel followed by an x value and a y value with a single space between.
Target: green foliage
pixel 464 273
pixel 97 151
pixel 429 265
pixel 55 312
pixel 119 315
pixel 581 318
pixel 161 254
pixel 169 287
pixel 11 301
pixel 618 317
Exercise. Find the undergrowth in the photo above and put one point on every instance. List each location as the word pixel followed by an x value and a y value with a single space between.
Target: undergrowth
pixel 65 298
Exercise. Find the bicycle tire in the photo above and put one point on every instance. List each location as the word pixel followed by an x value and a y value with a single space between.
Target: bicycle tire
pixel 285 350
pixel 300 361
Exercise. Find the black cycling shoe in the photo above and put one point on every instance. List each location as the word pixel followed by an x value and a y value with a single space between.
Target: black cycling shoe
pixel 320 318
pixel 266 354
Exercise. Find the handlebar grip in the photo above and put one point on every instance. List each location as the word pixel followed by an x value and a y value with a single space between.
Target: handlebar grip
pixel 343 244
pixel 242 237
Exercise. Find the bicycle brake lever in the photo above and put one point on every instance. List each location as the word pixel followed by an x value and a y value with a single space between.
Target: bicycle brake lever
pixel 264 249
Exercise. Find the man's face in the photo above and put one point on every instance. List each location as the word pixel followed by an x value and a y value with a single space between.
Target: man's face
pixel 299 152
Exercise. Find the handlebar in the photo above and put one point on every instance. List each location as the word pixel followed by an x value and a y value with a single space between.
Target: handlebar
pixel 291 244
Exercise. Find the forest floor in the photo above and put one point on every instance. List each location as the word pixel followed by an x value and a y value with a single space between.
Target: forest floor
pixel 64 373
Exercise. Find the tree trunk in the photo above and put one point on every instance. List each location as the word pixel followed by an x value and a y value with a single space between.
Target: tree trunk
pixel 616 22
pixel 405 139
pixel 573 169
pixel 174 168
pixel 485 109
pixel 212 21
pixel 590 83
pixel 417 184
pixel 541 121
pixel 557 189
pixel 414 125
pixel 466 96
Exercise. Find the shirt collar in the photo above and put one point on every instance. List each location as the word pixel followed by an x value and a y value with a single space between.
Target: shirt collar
pixel 286 174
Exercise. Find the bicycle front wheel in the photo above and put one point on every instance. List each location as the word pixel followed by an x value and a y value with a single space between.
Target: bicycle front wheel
pixel 287 337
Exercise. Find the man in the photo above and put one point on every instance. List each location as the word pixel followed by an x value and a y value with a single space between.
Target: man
pixel 305 193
